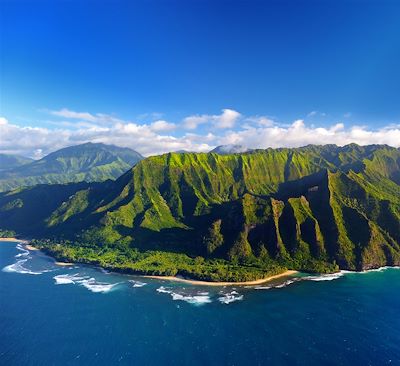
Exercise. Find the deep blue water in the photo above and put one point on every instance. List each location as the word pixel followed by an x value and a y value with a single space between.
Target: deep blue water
pixel 351 320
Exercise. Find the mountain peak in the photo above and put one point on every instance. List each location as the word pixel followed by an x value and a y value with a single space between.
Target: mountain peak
pixel 229 149
pixel 84 162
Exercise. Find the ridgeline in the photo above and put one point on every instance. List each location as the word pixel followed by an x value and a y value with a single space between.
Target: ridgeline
pixel 232 217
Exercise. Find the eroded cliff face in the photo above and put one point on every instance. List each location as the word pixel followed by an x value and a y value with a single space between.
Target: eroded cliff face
pixel 307 207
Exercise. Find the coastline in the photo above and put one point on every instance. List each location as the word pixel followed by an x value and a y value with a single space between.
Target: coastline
pixel 171 278
pixel 32 248
pixel 65 264
pixel 209 283
pixel 287 273
pixel 15 240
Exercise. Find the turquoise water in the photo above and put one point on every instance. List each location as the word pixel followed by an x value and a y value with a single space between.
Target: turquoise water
pixel 82 316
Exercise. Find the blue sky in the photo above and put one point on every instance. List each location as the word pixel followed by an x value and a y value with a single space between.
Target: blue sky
pixel 122 66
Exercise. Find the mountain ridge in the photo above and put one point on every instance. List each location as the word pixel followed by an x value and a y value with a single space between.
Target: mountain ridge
pixel 315 208
pixel 85 162
pixel 9 161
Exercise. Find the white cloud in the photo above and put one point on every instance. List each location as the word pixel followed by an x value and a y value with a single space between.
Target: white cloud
pixel 66 113
pixel 84 116
pixel 261 121
pixel 298 134
pixel 162 125
pixel 161 136
pixel 38 141
pixel 226 119
pixel 192 122
pixel 38 153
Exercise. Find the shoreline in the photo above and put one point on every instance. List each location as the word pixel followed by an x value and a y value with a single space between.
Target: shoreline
pixel 65 264
pixel 287 273
pixel 210 283
pixel 169 278
pixel 32 248
pixel 15 240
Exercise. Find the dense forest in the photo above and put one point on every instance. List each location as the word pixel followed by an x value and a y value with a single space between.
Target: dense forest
pixel 232 217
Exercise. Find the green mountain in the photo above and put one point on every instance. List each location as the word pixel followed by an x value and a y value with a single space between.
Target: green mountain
pixel 8 161
pixel 86 162
pixel 238 216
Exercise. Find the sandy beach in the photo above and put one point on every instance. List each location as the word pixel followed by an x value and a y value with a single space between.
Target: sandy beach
pixel 65 264
pixel 209 283
pixel 172 278
pixel 30 247
pixel 14 240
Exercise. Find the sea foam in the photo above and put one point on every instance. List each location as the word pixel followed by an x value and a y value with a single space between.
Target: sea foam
pixel 24 251
pixel 94 286
pixel 198 298
pixel 230 297
pixel 192 299
pixel 19 268
pixel 137 283
pixel 325 277
pixel 66 279
pixel 88 282
pixel 278 285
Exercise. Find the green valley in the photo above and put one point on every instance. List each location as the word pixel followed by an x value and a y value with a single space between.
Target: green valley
pixel 224 217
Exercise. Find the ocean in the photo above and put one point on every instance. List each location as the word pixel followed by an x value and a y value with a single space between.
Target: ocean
pixel 81 315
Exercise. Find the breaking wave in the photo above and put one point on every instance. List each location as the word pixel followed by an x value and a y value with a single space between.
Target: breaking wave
pixel 94 286
pixel 199 298
pixel 88 282
pixel 380 269
pixel 325 277
pixel 137 283
pixel 66 279
pixel 230 297
pixel 19 268
pixel 24 251
pixel 278 285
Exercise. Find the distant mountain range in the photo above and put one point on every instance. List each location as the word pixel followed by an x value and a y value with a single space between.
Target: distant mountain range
pixel 316 208
pixel 86 162
pixel 8 161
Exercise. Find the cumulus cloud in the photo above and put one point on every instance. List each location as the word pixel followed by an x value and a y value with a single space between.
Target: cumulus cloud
pixel 298 134
pixel 162 125
pixel 261 121
pixel 226 119
pixel 38 141
pixel 192 122
pixel 162 136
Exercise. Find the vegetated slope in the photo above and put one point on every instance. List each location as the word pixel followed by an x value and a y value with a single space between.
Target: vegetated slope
pixel 9 161
pixel 312 208
pixel 86 162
